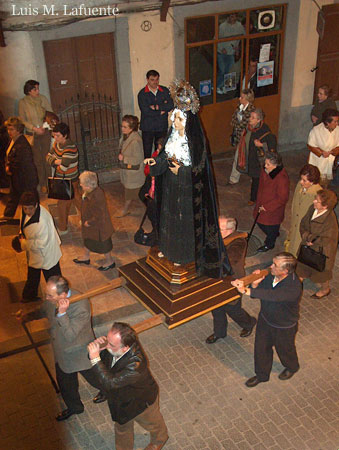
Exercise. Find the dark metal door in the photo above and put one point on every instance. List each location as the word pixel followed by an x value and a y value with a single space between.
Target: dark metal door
pixel 95 128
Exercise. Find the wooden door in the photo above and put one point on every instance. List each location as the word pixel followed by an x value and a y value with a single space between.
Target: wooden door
pixel 81 66
pixel 328 51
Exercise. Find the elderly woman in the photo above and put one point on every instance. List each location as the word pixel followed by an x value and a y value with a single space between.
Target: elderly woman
pixel 255 141
pixel 322 103
pixel 303 197
pixel 272 198
pixel 131 159
pixel 64 159
pixel 32 111
pixel 239 123
pixel 319 229
pixel 20 166
pixel 97 227
pixel 323 143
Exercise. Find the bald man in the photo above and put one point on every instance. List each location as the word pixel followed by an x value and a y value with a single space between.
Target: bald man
pixel 236 246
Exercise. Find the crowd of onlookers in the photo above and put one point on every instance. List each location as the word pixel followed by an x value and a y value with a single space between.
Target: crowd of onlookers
pixel 38 156
pixel 313 222
pixel 33 148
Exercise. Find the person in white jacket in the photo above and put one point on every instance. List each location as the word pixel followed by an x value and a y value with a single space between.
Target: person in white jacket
pixel 41 242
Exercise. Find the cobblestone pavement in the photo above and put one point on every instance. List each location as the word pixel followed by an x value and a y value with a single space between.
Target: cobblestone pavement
pixel 202 394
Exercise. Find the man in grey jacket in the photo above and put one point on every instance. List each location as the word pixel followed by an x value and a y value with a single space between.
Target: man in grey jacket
pixel 71 332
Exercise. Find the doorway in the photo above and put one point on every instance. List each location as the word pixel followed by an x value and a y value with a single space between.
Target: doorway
pixel 83 86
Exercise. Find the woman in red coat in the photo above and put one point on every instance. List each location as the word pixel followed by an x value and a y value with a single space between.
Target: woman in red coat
pixel 272 198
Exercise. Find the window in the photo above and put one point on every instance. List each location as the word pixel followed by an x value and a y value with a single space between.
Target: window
pixel 228 52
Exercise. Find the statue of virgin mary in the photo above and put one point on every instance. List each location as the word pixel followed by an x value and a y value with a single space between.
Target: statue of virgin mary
pixel 185 192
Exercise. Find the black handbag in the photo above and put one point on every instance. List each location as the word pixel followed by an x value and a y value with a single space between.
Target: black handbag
pixel 312 258
pixel 60 188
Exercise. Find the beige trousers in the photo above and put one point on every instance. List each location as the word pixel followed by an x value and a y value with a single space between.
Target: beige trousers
pixel 151 420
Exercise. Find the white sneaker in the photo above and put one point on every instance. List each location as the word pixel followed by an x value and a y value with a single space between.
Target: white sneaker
pixel 220 91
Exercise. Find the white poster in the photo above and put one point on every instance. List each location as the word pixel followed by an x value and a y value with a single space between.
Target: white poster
pixel 264 52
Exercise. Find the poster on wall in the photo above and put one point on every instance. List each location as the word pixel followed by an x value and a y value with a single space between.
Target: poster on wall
pixel 265 73
pixel 230 83
pixel 264 54
pixel 205 88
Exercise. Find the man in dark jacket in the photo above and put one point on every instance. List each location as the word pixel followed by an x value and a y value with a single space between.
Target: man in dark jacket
pixel 132 393
pixel 154 102
pixel 236 246
pixel 19 166
pixel 279 294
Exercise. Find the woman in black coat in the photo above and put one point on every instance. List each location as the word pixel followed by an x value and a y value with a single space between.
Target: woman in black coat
pixel 20 166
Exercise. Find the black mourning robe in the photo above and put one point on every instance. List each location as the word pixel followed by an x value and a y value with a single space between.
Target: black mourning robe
pixel 188 219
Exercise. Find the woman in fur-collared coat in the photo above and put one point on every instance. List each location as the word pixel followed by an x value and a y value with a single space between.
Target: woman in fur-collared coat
pixel 272 198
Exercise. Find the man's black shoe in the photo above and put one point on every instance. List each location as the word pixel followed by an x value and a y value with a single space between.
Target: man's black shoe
pixel 286 374
pixel 103 268
pixel 212 339
pixel 264 249
pixel 66 414
pixel 99 398
pixel 81 261
pixel 245 332
pixel 252 382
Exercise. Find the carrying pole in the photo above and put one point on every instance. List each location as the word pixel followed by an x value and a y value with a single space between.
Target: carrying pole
pixel 56 388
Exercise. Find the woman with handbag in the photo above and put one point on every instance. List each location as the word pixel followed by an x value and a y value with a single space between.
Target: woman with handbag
pixel 319 231
pixel 96 224
pixel 304 194
pixel 64 159
pixel 131 159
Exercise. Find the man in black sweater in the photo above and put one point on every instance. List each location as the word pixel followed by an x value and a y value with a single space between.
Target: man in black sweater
pixel 279 294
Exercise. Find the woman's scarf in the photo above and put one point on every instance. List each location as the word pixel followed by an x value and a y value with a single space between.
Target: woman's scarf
pixel 242 154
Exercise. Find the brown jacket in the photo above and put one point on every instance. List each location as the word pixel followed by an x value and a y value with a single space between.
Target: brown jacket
pixel 324 229
pixel 94 211
pixel 236 246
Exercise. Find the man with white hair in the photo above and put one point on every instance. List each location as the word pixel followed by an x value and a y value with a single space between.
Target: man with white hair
pixel 236 246
pixel 279 293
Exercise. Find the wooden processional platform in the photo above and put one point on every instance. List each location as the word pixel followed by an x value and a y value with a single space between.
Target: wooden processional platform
pixel 175 291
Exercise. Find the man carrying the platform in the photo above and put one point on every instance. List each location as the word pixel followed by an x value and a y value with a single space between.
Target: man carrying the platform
pixel 71 331
pixel 132 393
pixel 236 246
pixel 279 293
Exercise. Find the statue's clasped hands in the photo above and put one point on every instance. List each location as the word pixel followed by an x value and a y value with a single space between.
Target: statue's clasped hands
pixel 149 161
pixel 174 167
